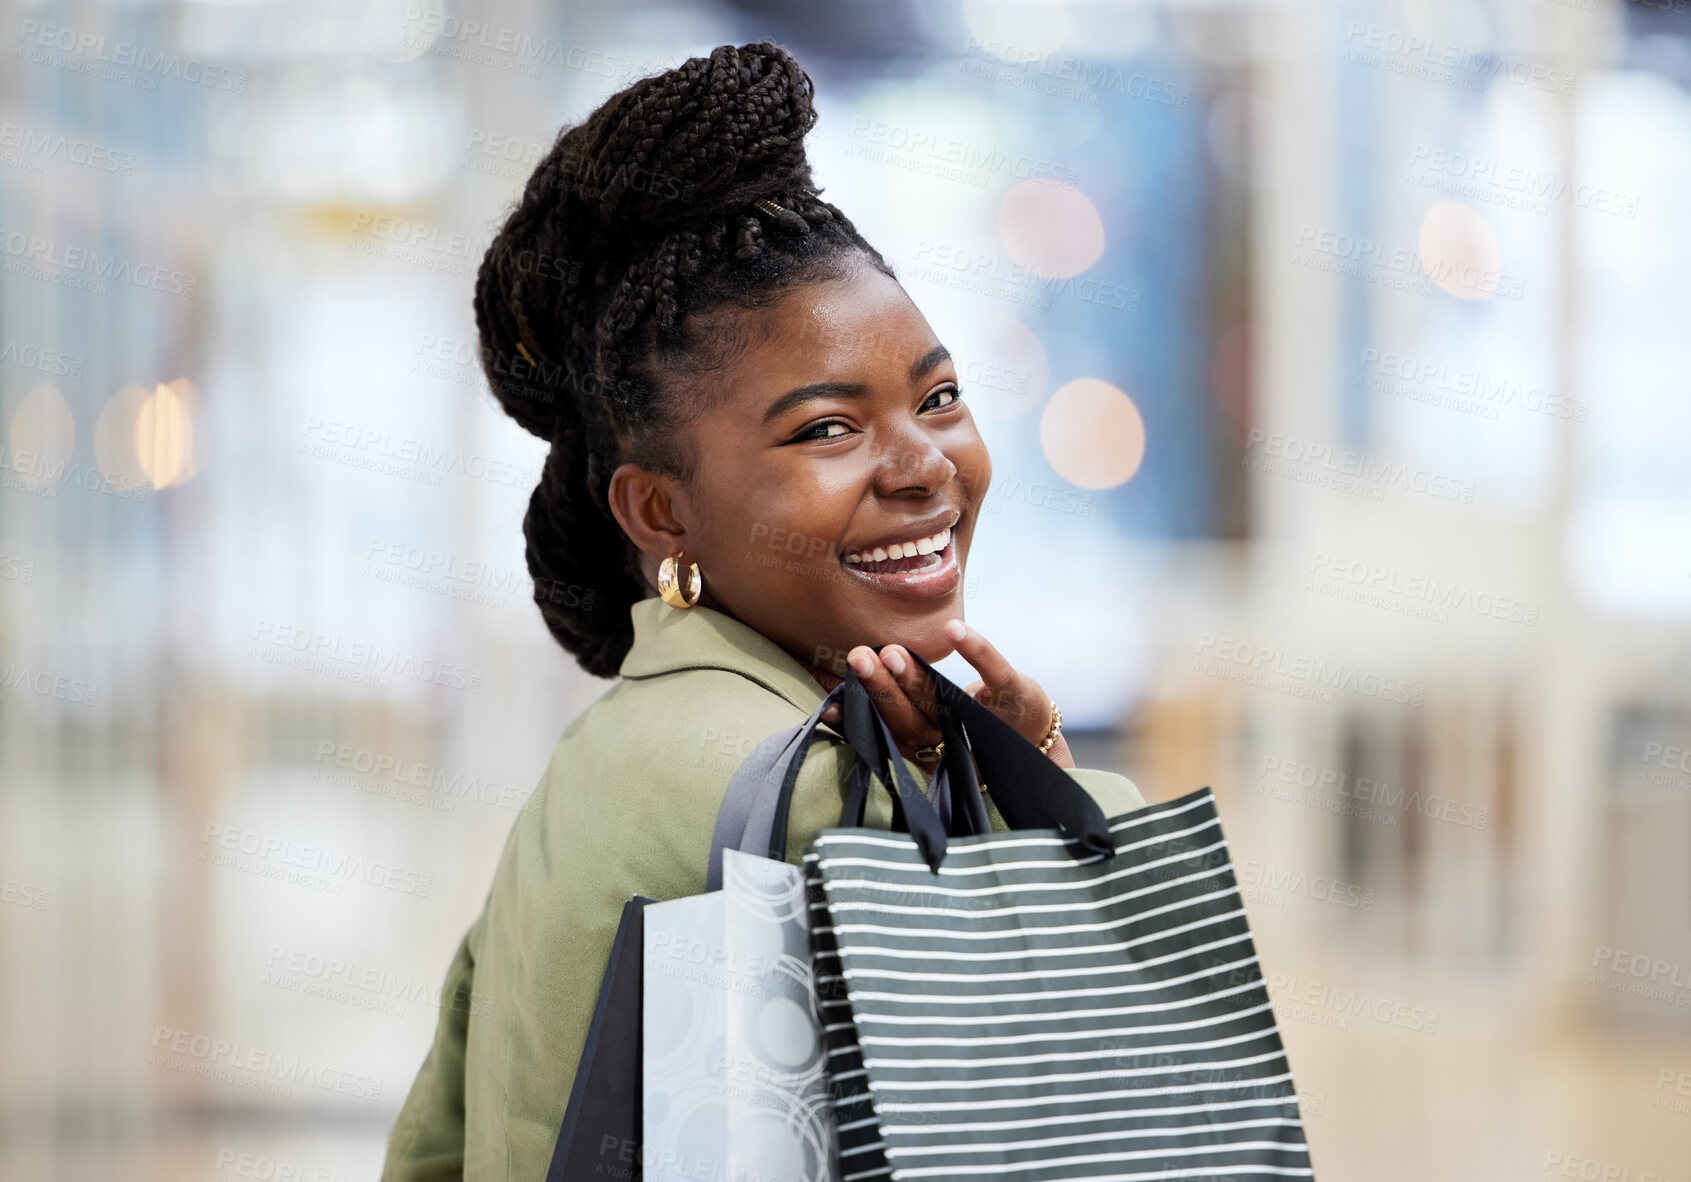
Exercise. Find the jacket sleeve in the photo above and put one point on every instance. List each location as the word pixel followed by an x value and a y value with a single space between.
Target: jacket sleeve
pixel 427 1140
pixel 1115 794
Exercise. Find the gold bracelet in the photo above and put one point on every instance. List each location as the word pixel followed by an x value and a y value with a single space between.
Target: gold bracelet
pixel 1056 729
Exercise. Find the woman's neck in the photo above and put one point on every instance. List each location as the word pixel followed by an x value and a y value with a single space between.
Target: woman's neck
pixel 823 678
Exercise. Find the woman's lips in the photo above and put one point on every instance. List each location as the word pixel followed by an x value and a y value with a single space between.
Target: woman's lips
pixel 924 576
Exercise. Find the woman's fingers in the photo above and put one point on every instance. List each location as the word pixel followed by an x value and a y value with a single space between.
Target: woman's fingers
pixel 906 721
pixel 1015 698
pixel 903 694
pixel 998 676
pixel 912 680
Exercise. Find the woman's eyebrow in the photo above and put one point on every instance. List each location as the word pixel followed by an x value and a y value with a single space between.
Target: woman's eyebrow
pixel 815 390
pixel 810 393
pixel 926 363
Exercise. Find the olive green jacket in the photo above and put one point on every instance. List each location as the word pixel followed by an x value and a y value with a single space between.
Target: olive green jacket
pixel 627 806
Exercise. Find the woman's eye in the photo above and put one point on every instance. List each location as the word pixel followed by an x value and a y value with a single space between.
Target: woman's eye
pixel 810 432
pixel 953 393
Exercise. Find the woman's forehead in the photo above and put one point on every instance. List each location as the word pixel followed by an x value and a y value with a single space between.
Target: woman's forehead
pixel 867 325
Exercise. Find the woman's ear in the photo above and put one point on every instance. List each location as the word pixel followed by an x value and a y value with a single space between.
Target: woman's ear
pixel 645 503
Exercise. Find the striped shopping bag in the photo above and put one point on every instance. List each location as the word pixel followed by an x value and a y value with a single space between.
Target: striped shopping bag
pixel 1038 1015
pixel 1077 998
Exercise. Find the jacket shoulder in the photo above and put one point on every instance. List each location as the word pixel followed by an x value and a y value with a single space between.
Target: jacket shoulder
pixel 1115 793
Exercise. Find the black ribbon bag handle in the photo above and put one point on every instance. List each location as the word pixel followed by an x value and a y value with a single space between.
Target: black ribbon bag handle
pixel 1030 791
pixel 872 742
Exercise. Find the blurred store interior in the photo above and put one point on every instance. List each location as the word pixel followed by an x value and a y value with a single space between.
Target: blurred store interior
pixel 1333 356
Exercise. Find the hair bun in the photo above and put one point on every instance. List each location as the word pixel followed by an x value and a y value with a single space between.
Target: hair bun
pixel 713 134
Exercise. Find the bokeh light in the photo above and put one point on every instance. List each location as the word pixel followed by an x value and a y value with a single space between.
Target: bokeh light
pixel 114 437
pixel 1459 251
pixel 1092 434
pixel 164 436
pixel 1049 229
pixel 43 434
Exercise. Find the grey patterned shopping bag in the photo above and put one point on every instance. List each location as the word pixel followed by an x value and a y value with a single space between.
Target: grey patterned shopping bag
pixel 733 1078
pixel 1032 1014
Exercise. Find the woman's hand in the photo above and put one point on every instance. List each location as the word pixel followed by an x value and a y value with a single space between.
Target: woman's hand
pixel 904 698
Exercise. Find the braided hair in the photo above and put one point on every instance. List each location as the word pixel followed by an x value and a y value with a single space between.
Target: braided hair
pixel 608 296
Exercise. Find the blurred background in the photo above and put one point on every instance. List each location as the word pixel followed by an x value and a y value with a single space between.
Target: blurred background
pixel 1333 358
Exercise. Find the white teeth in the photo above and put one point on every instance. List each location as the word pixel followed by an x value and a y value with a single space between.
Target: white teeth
pixel 928 545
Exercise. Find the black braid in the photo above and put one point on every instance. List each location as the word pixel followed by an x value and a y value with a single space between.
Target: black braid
pixel 608 295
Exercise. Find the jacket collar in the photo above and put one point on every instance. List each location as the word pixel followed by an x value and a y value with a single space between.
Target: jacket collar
pixel 668 638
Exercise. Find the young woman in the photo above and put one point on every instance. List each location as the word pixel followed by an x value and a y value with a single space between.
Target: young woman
pixel 761 466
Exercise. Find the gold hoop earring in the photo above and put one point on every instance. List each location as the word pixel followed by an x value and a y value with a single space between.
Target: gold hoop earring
pixel 670 587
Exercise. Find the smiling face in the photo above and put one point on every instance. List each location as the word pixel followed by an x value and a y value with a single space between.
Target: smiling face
pixel 837 457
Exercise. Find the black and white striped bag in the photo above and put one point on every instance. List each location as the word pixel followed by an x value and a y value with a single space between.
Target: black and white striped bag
pixel 1077 998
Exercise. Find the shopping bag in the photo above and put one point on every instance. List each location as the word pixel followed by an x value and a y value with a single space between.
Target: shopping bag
pixel 1077 998
pixel 733 1077
pixel 600 1135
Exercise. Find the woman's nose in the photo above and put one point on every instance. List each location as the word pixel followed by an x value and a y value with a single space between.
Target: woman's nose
pixel 914 460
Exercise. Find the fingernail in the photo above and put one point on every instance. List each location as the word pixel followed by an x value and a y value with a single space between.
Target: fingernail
pixel 894 660
pixel 860 664
pixel 956 629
